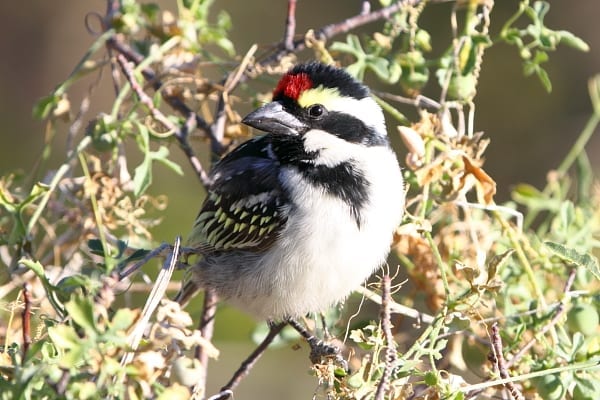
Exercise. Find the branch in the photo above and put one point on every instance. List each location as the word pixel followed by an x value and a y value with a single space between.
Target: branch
pixel 26 318
pixel 206 327
pixel 560 309
pixel 331 30
pixel 500 363
pixel 290 26
pixel 180 133
pixel 175 102
pixel 227 390
pixel 390 351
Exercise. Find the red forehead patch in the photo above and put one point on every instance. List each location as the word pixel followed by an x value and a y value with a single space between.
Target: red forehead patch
pixel 292 85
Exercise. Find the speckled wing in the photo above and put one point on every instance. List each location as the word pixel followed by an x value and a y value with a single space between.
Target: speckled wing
pixel 243 207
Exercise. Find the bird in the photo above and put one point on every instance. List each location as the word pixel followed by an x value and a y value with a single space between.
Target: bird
pixel 297 218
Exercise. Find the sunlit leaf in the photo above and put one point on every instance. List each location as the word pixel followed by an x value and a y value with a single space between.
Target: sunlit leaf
pixel 124 318
pixel 81 310
pixel 64 336
pixel 568 254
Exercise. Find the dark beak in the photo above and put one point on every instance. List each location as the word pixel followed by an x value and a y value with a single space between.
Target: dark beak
pixel 273 118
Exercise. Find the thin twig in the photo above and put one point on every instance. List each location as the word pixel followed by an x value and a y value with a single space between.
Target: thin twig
pixel 247 365
pixel 112 7
pixel 83 109
pixel 331 30
pixel 179 133
pixel 228 84
pixel 390 348
pixel 26 318
pixel 500 363
pixel 175 102
pixel 419 101
pixel 290 26
pixel 559 311
pixel 206 328
pixel 396 308
pixel 156 295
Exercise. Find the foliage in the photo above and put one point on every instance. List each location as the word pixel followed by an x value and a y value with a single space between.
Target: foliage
pixel 525 266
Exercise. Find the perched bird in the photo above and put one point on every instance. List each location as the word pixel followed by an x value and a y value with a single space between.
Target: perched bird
pixel 298 218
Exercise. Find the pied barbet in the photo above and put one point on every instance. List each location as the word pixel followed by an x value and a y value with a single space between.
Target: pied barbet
pixel 298 218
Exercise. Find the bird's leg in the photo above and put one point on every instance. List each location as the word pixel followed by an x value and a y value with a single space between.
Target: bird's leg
pixel 326 333
pixel 318 348
pixel 163 250
pixel 160 251
pixel 249 362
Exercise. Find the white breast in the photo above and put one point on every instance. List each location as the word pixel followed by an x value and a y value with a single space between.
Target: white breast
pixel 322 255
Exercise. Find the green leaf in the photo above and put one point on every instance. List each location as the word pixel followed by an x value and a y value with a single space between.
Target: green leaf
pixel 44 106
pixel 74 357
pixel 540 57
pixel 541 8
pixel 379 65
pixel 573 41
pixel 81 310
pixel 423 40
pixel 95 246
pixel 142 176
pixel 496 262
pixel 123 319
pixel 36 267
pixel 70 284
pixel 64 336
pixel 161 155
pixel 544 79
pixel 566 214
pixel 568 254
pixel 586 387
pixel 527 191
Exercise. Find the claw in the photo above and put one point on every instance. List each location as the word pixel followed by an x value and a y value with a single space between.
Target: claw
pixel 320 350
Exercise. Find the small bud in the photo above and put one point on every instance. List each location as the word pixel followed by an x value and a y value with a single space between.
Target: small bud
pixel 412 140
pixel 448 128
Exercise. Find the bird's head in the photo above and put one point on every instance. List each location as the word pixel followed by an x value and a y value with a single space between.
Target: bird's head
pixel 315 97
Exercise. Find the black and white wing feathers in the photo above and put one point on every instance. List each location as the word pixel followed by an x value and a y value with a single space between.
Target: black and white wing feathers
pixel 243 208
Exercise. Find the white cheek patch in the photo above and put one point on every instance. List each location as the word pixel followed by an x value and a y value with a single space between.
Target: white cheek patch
pixel 331 149
pixel 364 109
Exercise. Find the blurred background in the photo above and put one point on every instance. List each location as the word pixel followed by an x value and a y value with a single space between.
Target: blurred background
pixel 531 130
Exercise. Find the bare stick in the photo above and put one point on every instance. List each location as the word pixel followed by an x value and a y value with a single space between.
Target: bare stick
pixel 158 291
pixel 500 363
pixel 247 365
pixel 390 348
pixel 290 26
pixel 559 311
pixel 206 327
pixel 160 117
pixel 331 30
pixel 26 318
pixel 175 102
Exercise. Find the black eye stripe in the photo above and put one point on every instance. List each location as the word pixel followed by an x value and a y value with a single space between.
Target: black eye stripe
pixel 350 128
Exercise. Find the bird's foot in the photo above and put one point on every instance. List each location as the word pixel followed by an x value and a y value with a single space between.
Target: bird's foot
pixel 321 351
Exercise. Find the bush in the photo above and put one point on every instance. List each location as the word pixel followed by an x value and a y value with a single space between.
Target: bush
pixel 490 285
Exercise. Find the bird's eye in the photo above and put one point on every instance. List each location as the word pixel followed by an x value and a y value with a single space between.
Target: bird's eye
pixel 316 110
